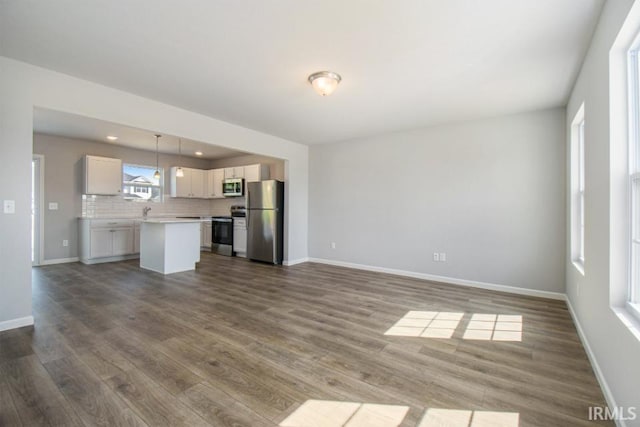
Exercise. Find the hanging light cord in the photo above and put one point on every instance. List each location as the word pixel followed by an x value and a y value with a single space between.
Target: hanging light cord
pixel 157 173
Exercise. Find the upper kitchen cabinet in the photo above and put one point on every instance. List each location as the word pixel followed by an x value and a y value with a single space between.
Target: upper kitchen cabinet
pixel 254 173
pixel 215 178
pixel 191 185
pixel 102 176
pixel 235 172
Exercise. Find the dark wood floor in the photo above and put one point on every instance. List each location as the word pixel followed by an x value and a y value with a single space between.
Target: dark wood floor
pixel 237 343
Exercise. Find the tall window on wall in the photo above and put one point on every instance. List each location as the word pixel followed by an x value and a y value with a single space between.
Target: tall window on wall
pixel 634 180
pixel 577 189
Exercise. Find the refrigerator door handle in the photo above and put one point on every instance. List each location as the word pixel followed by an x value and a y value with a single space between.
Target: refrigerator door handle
pixel 247 211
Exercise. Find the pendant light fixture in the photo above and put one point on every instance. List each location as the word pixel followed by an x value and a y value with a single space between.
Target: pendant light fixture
pixel 156 175
pixel 179 172
pixel 324 82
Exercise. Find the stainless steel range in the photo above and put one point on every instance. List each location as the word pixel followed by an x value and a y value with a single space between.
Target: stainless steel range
pixel 222 235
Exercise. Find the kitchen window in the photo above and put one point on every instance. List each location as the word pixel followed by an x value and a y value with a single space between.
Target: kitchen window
pixel 577 189
pixel 139 183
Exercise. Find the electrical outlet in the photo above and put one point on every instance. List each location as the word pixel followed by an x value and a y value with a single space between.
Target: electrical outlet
pixel 9 206
pixel 53 206
pixel 65 243
pixel 333 245
pixel 443 256
pixel 436 256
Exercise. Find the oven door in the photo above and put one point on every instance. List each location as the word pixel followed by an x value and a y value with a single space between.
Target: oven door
pixel 222 232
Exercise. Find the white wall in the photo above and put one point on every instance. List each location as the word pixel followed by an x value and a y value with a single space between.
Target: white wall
pixel 489 193
pixel 615 349
pixel 23 87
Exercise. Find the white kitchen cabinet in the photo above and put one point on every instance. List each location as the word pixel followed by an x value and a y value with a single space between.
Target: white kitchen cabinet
pixel 103 240
pixel 102 176
pixel 205 234
pixel 191 185
pixel 234 172
pixel 136 238
pixel 122 241
pixel 254 173
pixel 215 178
pixel 180 186
pixel 198 181
pixel 240 237
pixel 101 245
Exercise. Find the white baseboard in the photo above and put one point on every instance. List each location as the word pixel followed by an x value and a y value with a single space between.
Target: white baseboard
pixel 59 261
pixel 444 279
pixel 594 364
pixel 295 261
pixel 16 323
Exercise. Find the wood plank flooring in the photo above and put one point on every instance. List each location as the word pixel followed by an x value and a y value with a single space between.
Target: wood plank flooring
pixel 237 343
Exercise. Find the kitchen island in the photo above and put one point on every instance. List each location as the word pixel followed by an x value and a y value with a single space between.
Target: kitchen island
pixel 169 245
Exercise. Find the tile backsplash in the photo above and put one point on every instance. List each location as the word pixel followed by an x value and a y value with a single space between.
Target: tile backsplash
pixel 116 207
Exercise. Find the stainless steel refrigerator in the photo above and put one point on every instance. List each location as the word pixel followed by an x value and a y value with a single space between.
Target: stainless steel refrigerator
pixel 265 221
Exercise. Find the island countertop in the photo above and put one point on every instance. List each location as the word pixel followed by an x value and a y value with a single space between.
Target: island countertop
pixel 171 220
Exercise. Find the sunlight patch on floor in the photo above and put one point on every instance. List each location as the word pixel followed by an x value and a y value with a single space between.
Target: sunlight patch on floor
pixel 494 327
pixel 328 413
pixel 443 324
pixel 436 417
pixel 426 324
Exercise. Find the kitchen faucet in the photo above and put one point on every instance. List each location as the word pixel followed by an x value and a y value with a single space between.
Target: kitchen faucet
pixel 145 212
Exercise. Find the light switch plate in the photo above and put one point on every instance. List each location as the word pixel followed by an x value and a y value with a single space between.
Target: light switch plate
pixel 53 206
pixel 9 206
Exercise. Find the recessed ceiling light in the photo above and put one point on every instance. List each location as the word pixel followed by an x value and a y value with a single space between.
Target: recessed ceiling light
pixel 198 153
pixel 112 138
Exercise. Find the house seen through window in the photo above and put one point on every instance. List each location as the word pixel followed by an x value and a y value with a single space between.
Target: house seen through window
pixel 139 183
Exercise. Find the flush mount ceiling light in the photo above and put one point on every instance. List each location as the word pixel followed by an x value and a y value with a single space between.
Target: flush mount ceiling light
pixel 198 153
pixel 179 172
pixel 156 175
pixel 324 82
pixel 112 137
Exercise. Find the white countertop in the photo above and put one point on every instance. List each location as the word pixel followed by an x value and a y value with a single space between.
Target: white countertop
pixel 171 220
pixel 150 218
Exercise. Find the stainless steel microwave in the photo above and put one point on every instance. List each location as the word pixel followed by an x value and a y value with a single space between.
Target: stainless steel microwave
pixel 233 187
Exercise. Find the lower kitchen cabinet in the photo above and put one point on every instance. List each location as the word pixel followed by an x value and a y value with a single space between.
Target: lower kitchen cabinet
pixel 136 237
pixel 206 230
pixel 240 237
pixel 103 240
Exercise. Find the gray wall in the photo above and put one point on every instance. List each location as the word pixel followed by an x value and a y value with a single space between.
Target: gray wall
pixel 63 183
pixel 15 184
pixel 596 294
pixel 489 193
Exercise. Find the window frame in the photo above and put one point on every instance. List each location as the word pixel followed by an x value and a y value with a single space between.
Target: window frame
pixel 577 178
pixel 160 186
pixel 633 180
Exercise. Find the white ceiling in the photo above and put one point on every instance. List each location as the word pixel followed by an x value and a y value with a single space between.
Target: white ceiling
pixel 405 64
pixel 79 127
